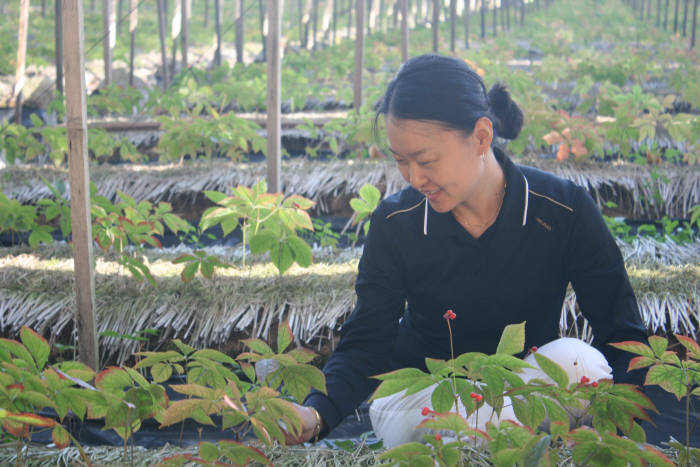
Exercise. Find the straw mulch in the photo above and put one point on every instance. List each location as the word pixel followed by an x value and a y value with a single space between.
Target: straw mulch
pixel 631 186
pixel 37 291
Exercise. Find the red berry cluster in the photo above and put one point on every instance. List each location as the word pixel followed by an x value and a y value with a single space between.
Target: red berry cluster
pixel 425 412
pixel 449 315
pixel 476 397
pixel 586 380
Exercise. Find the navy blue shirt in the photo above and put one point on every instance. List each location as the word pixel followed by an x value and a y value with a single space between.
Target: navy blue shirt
pixel 548 234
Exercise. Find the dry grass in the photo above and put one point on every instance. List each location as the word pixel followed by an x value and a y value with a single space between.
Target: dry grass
pixel 630 185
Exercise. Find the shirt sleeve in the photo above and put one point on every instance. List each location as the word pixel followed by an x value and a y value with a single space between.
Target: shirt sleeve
pixel 369 334
pixel 603 290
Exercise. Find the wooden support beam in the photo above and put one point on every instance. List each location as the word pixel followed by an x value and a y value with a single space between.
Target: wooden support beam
pixel 21 58
pixel 58 37
pixel 133 23
pixel 109 38
pixel 359 54
pixel 163 48
pixel 76 126
pixel 274 102
pixel 403 4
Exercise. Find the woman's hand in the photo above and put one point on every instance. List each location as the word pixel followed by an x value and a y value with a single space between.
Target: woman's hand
pixel 309 425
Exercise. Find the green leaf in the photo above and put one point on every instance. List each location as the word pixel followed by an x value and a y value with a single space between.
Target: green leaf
pixel 263 241
pixel 535 450
pixel 284 336
pixel 552 370
pixel 208 451
pixel 214 355
pixel 669 378
pixel 60 437
pixel 443 398
pixel 19 350
pixel 658 345
pixel 692 347
pixel 113 380
pixel 301 251
pixel 634 347
pixel 36 345
pixel 371 195
pixel 512 340
pixel 161 372
pixel 259 346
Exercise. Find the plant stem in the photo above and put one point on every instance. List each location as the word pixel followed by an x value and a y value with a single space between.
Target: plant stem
pixel 243 229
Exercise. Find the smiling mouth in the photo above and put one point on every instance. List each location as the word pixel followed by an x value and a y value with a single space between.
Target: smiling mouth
pixel 431 194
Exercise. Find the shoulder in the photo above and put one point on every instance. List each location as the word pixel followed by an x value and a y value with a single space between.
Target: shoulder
pixel 401 206
pixel 547 191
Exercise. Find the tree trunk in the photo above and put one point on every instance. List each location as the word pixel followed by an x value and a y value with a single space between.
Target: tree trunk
pixel 240 30
pixel 206 14
pixel 359 54
pixel 43 8
pixel 162 18
pixel 666 15
pixel 217 21
pixel 522 12
pixel 403 6
pixel 435 24
pixel 658 13
pixel 334 37
pixel 695 18
pixel 495 19
pixel 120 13
pixel 314 24
pixel 21 58
pixel 175 29
pixel 58 35
pixel 350 10
pixel 109 38
pixel 685 16
pixel 467 14
pixel 133 22
pixel 185 33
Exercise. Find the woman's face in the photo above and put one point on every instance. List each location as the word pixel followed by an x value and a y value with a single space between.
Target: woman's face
pixel 443 164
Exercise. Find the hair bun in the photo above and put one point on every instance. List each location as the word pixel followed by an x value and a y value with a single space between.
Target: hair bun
pixel 509 115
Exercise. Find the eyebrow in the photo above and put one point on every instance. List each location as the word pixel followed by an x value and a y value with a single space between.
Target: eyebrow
pixel 410 154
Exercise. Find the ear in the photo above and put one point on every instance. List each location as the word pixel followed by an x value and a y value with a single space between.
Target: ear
pixel 483 134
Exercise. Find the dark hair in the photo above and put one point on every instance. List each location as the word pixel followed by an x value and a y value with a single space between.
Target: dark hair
pixel 447 90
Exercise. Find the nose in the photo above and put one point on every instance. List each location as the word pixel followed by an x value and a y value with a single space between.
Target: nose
pixel 416 177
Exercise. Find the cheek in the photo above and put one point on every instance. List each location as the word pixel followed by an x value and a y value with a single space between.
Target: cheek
pixel 403 170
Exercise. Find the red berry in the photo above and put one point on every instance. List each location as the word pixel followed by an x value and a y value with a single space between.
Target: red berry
pixel 438 437
pixel 533 349
pixel 594 384
pixel 449 314
pixel 425 411
pixel 584 380
pixel 473 395
pixel 479 397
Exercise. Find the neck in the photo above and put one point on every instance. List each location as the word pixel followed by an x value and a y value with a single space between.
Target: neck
pixel 481 209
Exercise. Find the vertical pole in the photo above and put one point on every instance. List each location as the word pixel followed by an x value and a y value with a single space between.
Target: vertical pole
pixel 675 19
pixel 495 17
pixel 58 35
pixel 314 25
pixel 359 54
pixel 403 4
pixel 76 129
pixel 435 25
pixel 217 21
pixel 261 10
pixel 133 22
pixel 109 39
pixel 453 24
pixel 483 19
pixel 206 14
pixel 522 12
pixel 163 52
pixel 658 13
pixel 685 17
pixel 695 19
pixel 334 37
pixel 666 15
pixel 120 8
pixel 274 85
pixel 467 11
pixel 239 30
pixel 350 10
pixel 185 31
pixel 175 29
pixel 21 58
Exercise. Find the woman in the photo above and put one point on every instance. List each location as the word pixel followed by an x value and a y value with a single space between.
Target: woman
pixel 495 242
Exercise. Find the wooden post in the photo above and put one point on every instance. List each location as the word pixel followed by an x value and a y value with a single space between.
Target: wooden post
pixel 403 4
pixel 185 32
pixel 483 19
pixel 175 28
pixel 217 21
pixel 163 52
pixel 274 86
pixel 239 29
pixel 76 126
pixel 58 36
pixel 21 58
pixel 695 19
pixel 435 25
pixel 453 24
pixel 467 8
pixel 359 54
pixel 133 22
pixel 261 9
pixel 109 38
